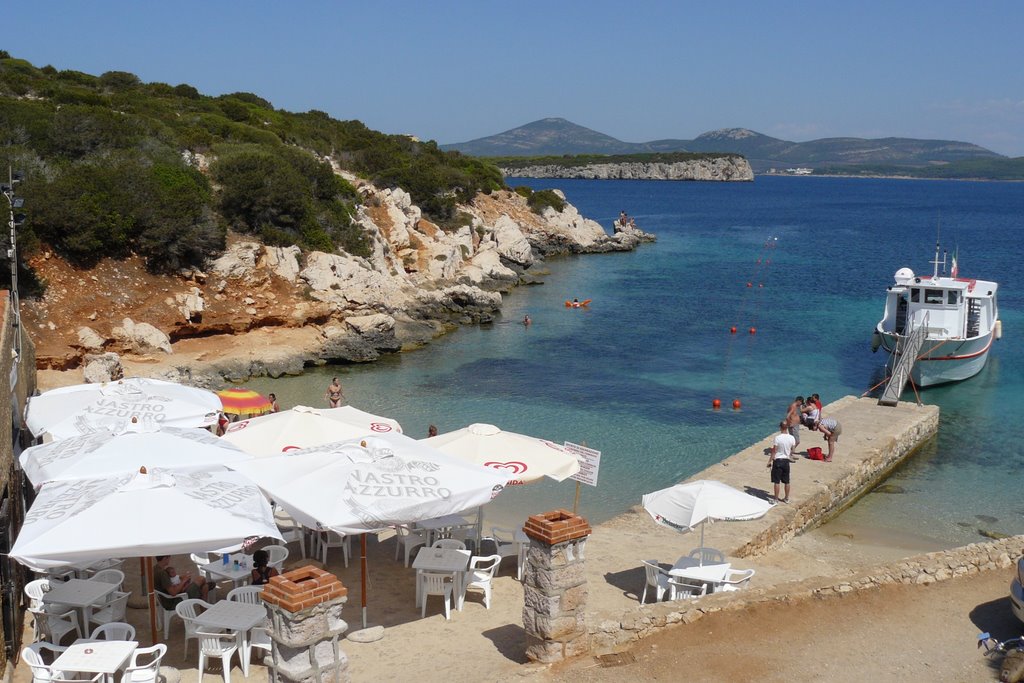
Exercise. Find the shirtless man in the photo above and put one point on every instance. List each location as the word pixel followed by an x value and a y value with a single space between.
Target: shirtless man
pixel 793 419
pixel 333 394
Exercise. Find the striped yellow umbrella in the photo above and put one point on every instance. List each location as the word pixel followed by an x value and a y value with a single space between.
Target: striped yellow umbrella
pixel 244 402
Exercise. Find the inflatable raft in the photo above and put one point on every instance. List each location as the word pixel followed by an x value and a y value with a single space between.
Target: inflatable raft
pixel 578 304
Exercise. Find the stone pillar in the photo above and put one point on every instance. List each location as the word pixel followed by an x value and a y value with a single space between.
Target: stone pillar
pixel 305 622
pixel 555 586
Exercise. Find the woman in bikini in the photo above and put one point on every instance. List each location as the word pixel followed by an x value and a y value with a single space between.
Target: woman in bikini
pixel 333 394
pixel 261 573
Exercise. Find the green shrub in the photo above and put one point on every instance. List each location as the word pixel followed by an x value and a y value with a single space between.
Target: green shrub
pixel 542 199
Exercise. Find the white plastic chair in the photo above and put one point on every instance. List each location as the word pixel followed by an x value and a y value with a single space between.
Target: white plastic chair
pixel 115 630
pixel 469 535
pixel 681 589
pixel 114 576
pixel 707 555
pixel 200 560
pixel 33 656
pixel 480 575
pixel 247 594
pixel 96 567
pixel 449 544
pixel 35 590
pixel 111 611
pixel 657 578
pixel 436 584
pixel 506 546
pixel 188 610
pixel 259 639
pixel 61 573
pixel 736 579
pixel 168 614
pixel 222 645
pixel 408 538
pixel 332 539
pixel 145 672
pixel 276 555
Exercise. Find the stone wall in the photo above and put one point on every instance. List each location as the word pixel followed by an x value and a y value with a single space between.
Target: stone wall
pixel 12 403
pixel 616 633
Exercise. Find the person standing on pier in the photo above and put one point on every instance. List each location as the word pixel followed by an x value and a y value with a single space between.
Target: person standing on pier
pixel 831 428
pixel 779 456
pixel 793 419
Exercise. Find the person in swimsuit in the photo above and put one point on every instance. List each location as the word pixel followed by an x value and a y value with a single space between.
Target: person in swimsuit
pixel 274 408
pixel 261 573
pixel 333 394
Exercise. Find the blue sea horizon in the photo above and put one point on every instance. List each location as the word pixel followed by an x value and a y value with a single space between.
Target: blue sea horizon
pixel 634 375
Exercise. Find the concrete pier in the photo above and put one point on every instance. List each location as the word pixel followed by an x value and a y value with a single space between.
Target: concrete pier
pixel 875 439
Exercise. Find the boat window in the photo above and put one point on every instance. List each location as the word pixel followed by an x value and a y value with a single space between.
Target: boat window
pixel 933 296
pixel 915 295
pixel 952 299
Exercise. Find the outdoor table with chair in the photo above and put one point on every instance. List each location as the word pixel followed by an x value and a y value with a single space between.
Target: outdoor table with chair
pixel 81 594
pixel 96 656
pixel 440 527
pixel 690 569
pixel 237 617
pixel 237 570
pixel 449 561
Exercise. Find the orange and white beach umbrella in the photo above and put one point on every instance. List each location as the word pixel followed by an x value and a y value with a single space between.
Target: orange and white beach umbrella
pixel 244 402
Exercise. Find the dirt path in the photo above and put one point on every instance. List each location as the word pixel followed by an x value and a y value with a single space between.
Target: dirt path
pixel 896 633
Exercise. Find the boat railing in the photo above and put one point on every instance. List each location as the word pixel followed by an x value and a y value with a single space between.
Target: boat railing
pixel 904 357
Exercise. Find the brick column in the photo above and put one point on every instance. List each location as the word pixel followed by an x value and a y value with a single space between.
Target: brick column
pixel 305 618
pixel 555 586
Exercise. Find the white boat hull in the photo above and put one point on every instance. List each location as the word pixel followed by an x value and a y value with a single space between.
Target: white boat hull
pixel 944 361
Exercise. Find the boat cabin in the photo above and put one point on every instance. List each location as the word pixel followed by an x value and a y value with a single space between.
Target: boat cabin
pixel 955 308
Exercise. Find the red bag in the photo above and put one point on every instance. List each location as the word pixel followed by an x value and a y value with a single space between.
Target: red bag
pixel 814 453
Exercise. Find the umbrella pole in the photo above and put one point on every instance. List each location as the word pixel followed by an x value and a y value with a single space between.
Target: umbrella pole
pixel 147 571
pixel 362 569
pixel 702 543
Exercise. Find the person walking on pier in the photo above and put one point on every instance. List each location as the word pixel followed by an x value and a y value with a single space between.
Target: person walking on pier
pixel 793 419
pixel 779 456
pixel 831 428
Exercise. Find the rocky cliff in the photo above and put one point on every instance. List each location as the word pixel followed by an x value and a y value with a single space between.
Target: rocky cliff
pixel 729 168
pixel 418 282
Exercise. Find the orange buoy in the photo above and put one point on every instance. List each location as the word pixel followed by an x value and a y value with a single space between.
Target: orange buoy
pixel 716 404
pixel 732 330
pixel 753 330
pixel 736 404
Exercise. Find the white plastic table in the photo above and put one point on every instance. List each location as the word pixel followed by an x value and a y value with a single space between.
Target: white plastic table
pixel 80 594
pixel 227 572
pixel 445 561
pixel 436 526
pixel 240 617
pixel 96 656
pixel 691 569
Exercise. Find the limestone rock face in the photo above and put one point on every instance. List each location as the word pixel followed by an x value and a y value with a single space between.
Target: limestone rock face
pixel 90 339
pixel 103 367
pixel 190 303
pixel 238 261
pixel 512 243
pixel 349 283
pixel 283 261
pixel 725 168
pixel 142 337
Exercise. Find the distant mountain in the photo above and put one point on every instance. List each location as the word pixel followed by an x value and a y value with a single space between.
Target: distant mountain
pixel 555 136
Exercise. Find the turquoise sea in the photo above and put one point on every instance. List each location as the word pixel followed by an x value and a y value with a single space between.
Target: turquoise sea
pixel 634 375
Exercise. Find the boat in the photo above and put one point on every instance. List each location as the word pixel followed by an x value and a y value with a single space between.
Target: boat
pixel 948 322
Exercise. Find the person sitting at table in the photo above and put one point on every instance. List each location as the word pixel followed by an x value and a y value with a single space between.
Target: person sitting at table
pixel 166 580
pixel 261 573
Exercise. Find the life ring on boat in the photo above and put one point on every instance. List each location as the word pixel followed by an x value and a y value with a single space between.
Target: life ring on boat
pixel 578 304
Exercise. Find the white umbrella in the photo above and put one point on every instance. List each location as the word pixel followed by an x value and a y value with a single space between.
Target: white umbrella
pixel 86 408
pixel 106 453
pixel 371 483
pixel 368 422
pixel 289 430
pixel 683 506
pixel 140 515
pixel 368 484
pixel 520 458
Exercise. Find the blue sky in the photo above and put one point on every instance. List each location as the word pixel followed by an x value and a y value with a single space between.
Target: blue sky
pixel 455 71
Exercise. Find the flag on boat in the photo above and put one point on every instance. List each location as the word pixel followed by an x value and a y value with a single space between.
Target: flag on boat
pixel 954 269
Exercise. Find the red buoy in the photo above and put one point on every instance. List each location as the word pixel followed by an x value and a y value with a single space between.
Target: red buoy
pixel 753 330
pixel 716 404
pixel 750 284
pixel 736 404
pixel 732 330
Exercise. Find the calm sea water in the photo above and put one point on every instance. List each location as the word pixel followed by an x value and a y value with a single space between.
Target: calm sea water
pixel 634 375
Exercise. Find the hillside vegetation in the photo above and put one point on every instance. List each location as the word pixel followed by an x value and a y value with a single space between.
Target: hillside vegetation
pixel 114 166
